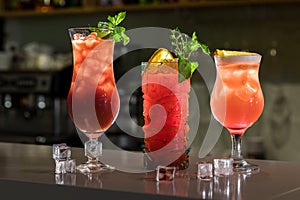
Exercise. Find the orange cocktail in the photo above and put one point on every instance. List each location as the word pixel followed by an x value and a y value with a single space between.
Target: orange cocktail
pixel 240 90
pixel 237 100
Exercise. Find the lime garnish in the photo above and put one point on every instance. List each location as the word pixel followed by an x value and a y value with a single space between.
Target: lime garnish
pixel 103 34
pixel 183 47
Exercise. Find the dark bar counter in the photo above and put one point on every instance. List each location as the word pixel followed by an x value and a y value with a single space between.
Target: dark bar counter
pixel 27 171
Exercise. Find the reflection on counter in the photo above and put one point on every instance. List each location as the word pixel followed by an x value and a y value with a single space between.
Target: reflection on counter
pixel 65 179
pixel 177 187
pixel 184 184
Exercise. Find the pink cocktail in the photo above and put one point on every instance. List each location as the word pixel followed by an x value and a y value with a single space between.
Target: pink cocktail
pixel 93 100
pixel 237 100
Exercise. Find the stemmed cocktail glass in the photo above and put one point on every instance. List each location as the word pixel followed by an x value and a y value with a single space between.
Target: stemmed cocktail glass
pixel 237 100
pixel 93 100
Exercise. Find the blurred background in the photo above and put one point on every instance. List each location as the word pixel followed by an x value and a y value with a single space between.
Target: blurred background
pixel 36 65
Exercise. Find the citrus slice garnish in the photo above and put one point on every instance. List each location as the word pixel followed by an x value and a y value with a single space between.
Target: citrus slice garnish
pixel 232 53
pixel 160 58
pixel 161 55
pixel 103 34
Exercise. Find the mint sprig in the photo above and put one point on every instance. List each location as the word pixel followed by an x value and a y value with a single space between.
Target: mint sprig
pixel 183 47
pixel 117 32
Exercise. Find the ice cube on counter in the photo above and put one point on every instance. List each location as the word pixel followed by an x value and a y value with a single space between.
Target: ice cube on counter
pixel 164 173
pixel 62 157
pixel 61 151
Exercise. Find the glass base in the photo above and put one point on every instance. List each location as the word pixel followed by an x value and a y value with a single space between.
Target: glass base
pixel 94 167
pixel 151 163
pixel 242 166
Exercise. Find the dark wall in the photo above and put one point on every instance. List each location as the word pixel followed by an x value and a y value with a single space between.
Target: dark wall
pixel 271 30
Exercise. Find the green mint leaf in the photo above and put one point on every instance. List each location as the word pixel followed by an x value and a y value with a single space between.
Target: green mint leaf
pixel 120 17
pixel 183 46
pixel 103 25
pixel 119 35
pixel 205 49
pixel 194 36
pixel 118 32
pixel 117 19
pixel 193 45
pixel 125 38
pixel 184 71
pixel 193 66
pixel 116 37
pixel 112 20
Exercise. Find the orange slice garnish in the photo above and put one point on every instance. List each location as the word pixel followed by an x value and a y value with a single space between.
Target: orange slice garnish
pixel 232 53
pixel 159 60
pixel 161 55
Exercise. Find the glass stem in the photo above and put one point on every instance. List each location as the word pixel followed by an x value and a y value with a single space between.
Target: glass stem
pixel 236 150
pixel 93 149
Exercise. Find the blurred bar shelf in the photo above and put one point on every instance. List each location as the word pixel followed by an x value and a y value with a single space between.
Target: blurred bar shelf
pixel 141 7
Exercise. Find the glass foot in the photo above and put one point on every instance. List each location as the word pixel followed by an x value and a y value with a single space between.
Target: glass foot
pixel 94 167
pixel 242 166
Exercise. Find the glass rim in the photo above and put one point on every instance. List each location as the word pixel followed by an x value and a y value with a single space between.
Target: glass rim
pixel 146 62
pixel 239 56
pixel 253 58
pixel 90 28
pixel 103 33
pixel 160 65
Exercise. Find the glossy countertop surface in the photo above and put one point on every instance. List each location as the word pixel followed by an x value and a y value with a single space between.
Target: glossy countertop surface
pixel 31 168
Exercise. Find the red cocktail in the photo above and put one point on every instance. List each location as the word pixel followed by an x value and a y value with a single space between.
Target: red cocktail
pixel 165 110
pixel 93 100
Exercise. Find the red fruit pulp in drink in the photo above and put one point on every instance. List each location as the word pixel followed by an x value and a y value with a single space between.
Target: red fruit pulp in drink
pixel 165 113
